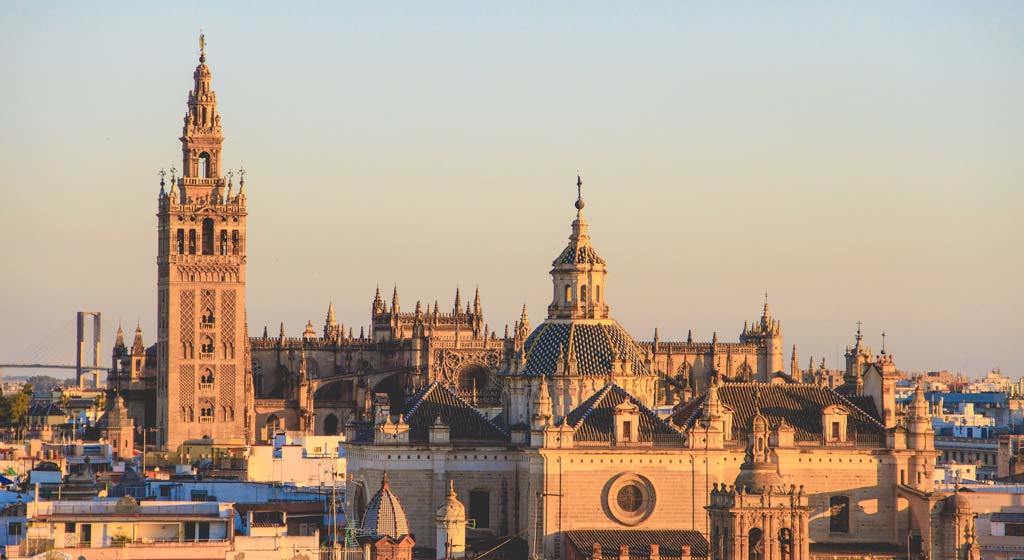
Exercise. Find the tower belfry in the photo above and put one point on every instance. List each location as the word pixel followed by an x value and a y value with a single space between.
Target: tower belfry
pixel 203 387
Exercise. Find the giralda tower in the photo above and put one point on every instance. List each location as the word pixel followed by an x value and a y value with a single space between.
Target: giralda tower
pixel 204 388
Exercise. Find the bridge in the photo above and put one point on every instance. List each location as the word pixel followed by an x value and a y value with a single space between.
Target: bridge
pixel 46 352
pixel 52 366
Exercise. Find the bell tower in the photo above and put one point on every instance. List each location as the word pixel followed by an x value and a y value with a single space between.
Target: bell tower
pixel 203 387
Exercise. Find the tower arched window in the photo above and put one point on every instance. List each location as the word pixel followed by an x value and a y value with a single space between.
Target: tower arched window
pixel 206 380
pixel 568 293
pixel 204 165
pixel 223 242
pixel 191 241
pixel 207 236
pixel 583 294
pixel 597 294
pixel 181 241
pixel 234 242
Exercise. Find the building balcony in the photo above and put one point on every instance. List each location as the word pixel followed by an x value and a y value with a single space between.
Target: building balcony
pixel 206 356
pixel 206 386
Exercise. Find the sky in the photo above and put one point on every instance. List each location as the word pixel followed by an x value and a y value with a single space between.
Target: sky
pixel 856 161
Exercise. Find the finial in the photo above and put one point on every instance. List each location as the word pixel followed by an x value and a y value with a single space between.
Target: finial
pixel 202 46
pixel 883 343
pixel 174 172
pixel 162 173
pixel 451 488
pixel 859 336
pixel 231 176
pixel 579 194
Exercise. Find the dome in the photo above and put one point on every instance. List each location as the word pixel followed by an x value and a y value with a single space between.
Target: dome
pixel 758 478
pixel 451 509
pixel 958 502
pixel 595 344
pixel 385 515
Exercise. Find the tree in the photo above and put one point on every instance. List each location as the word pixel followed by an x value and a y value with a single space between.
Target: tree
pixel 14 407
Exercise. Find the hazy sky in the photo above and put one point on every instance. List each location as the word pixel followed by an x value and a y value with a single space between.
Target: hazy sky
pixel 855 160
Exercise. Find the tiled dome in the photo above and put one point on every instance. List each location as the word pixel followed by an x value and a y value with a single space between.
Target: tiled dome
pixel 595 345
pixel 385 515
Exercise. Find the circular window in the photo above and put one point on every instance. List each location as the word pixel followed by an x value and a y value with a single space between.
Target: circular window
pixel 629 498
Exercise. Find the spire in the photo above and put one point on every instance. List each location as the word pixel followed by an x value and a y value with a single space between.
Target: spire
pixel 794 364
pixel 331 321
pixel 281 334
pixel 394 301
pixel 137 347
pixel 579 196
pixel 119 338
pixel 656 339
pixel 458 300
pixel 689 336
pixel 162 173
pixel 766 314
pixel 377 307
pixel 201 136
pixel 265 336
pixel 477 306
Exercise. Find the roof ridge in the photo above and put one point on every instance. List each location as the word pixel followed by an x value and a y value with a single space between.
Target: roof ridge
pixel 859 409
pixel 468 406
pixel 594 400
pixel 418 399
pixel 543 327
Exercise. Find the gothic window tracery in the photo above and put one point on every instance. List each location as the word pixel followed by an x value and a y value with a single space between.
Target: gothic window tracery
pixel 191 241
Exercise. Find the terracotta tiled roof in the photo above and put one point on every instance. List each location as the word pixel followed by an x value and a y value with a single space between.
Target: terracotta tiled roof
pixel 800 405
pixel 465 422
pixel 595 345
pixel 594 419
pixel 639 542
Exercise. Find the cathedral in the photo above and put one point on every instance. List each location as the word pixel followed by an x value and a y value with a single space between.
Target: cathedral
pixel 572 437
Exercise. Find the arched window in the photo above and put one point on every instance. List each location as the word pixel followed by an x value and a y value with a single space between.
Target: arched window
pixel 208 317
pixel 191 241
pixel 785 543
pixel 181 241
pixel 597 294
pixel 568 293
pixel 755 544
pixel 208 236
pixel 331 425
pixel 273 424
pixel 206 348
pixel 583 294
pixel 223 242
pixel 480 508
pixel 234 242
pixel 204 165
pixel 839 514
pixel 206 380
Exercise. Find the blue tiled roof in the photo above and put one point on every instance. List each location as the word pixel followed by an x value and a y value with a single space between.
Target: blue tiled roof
pixel 595 345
